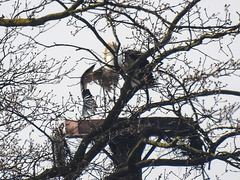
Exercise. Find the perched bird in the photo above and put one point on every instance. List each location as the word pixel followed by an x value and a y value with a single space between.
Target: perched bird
pixel 138 74
pixel 106 76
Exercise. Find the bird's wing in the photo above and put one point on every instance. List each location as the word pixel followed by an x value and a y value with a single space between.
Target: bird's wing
pixel 89 104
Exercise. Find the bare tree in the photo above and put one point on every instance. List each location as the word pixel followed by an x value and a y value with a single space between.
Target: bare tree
pixel 187 118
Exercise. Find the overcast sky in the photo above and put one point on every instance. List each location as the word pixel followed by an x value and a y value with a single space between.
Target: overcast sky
pixel 61 34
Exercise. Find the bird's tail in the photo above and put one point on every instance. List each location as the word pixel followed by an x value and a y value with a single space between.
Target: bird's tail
pixel 86 77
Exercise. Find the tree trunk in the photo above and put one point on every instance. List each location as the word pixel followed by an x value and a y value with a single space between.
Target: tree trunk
pixel 121 147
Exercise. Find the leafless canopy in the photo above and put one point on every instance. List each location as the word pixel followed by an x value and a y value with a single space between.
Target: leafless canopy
pixel 189 117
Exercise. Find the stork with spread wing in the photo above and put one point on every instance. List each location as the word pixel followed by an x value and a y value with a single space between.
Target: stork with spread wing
pixel 107 76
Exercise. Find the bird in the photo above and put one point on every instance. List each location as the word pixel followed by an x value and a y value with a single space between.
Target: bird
pixel 139 76
pixel 106 76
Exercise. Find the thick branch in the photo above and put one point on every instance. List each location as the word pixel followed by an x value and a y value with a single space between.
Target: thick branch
pixel 158 162
pixel 167 37
pixel 223 138
pixel 81 160
pixel 44 19
pixel 170 162
pixel 198 41
pixel 185 98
